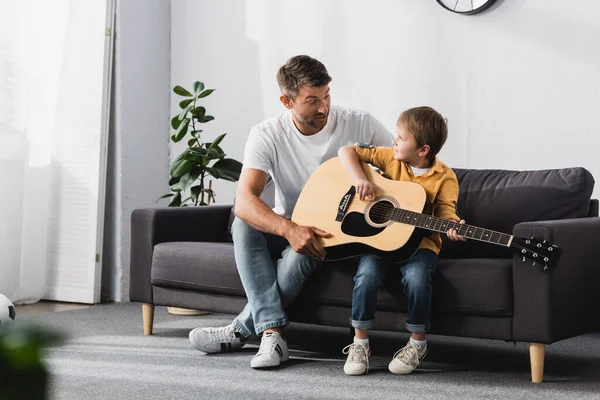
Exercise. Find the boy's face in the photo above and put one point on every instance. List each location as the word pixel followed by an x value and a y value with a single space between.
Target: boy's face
pixel 405 147
pixel 310 107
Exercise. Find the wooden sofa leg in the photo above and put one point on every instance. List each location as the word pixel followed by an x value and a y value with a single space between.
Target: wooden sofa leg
pixel 536 357
pixel 148 318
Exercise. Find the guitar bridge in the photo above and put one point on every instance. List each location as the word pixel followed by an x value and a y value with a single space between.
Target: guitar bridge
pixel 344 203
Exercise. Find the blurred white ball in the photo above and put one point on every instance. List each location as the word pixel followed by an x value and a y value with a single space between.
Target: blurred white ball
pixel 7 311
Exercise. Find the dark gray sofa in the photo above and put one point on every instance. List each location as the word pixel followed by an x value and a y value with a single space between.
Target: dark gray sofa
pixel 183 257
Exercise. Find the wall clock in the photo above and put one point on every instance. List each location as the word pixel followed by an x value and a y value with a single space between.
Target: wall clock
pixel 466 7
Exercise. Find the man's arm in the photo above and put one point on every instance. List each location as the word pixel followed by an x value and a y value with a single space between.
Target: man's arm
pixel 251 209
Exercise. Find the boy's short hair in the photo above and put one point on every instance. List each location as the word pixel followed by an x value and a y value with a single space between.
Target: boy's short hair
pixel 301 70
pixel 427 126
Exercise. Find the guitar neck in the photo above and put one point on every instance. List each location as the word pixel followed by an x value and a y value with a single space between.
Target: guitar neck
pixel 436 224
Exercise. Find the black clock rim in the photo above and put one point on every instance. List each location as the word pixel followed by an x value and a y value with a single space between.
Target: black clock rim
pixel 475 11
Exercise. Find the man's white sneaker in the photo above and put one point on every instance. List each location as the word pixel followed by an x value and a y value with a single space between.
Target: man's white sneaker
pixel 273 351
pixel 407 359
pixel 358 359
pixel 216 340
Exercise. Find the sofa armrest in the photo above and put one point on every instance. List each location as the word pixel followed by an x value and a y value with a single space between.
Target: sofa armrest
pixel 555 304
pixel 151 226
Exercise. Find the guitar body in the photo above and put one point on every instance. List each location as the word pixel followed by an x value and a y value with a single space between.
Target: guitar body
pixel 358 227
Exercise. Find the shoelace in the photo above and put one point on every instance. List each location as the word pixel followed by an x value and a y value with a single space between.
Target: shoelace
pixel 267 344
pixel 224 334
pixel 409 353
pixel 354 351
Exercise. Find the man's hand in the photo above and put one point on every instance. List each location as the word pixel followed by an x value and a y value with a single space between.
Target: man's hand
pixel 454 236
pixel 303 240
pixel 364 189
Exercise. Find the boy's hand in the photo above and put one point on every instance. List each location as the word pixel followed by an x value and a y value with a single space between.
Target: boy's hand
pixel 364 189
pixel 454 236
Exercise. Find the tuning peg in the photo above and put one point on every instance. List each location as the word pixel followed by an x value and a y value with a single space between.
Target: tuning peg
pixel 551 248
pixel 539 245
pixel 533 265
pixel 523 259
pixel 528 241
pixel 532 238
pixel 545 268
pixel 546 259
pixel 523 251
pixel 544 241
pixel 535 255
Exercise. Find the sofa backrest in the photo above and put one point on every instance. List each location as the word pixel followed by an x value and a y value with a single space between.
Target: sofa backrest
pixel 500 199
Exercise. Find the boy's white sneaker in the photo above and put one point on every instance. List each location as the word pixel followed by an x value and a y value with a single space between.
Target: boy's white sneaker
pixel 273 350
pixel 216 340
pixel 358 359
pixel 407 359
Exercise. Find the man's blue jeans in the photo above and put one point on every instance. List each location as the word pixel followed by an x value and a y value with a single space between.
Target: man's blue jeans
pixel 417 273
pixel 269 287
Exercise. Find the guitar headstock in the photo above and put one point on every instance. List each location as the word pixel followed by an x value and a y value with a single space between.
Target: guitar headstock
pixel 539 251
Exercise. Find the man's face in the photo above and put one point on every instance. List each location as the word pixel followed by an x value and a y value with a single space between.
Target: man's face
pixel 311 107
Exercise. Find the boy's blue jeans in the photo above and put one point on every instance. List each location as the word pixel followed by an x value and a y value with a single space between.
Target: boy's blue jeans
pixel 269 287
pixel 417 273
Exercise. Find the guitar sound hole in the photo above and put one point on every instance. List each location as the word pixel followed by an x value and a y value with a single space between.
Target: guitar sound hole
pixel 381 212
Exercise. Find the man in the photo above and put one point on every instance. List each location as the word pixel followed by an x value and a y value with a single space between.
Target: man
pixel 288 148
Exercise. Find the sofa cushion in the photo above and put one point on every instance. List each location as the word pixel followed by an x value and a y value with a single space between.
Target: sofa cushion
pixel 481 287
pixel 500 199
pixel 198 266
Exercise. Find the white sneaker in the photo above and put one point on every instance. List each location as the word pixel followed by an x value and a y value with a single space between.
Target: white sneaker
pixel 407 359
pixel 273 351
pixel 358 359
pixel 216 340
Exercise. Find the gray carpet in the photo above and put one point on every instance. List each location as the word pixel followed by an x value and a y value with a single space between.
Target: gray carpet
pixel 107 357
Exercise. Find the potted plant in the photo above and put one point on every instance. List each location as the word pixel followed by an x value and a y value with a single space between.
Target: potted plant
pixel 200 159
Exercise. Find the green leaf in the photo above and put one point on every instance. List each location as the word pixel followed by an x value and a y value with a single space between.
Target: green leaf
pixel 188 179
pixel 176 202
pixel 173 181
pixel 182 92
pixel 216 153
pixel 227 168
pixel 185 103
pixel 217 141
pixel 164 197
pixel 196 134
pixel 206 118
pixel 191 142
pixel 184 112
pixel 206 93
pixel 181 130
pixel 175 122
pixel 199 112
pixel 182 168
pixel 198 87
pixel 195 192
pixel 197 151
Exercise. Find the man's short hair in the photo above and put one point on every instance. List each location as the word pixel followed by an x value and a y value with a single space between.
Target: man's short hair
pixel 301 71
pixel 427 126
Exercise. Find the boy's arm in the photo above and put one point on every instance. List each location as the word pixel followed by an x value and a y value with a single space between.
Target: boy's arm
pixel 350 161
pixel 445 202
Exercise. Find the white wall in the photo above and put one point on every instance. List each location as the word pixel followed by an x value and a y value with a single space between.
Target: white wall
pixel 138 145
pixel 520 83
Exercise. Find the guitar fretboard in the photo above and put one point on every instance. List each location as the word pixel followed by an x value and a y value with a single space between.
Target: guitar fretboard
pixel 442 225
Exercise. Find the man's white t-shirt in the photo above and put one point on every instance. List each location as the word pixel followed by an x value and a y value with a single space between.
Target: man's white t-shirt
pixel 276 147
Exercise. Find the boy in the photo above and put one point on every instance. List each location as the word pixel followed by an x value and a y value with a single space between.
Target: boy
pixel 421 133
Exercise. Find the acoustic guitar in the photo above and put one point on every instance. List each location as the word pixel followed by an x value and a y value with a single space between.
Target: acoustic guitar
pixel 393 223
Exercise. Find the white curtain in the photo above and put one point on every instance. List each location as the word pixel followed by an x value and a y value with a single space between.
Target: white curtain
pixel 43 84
